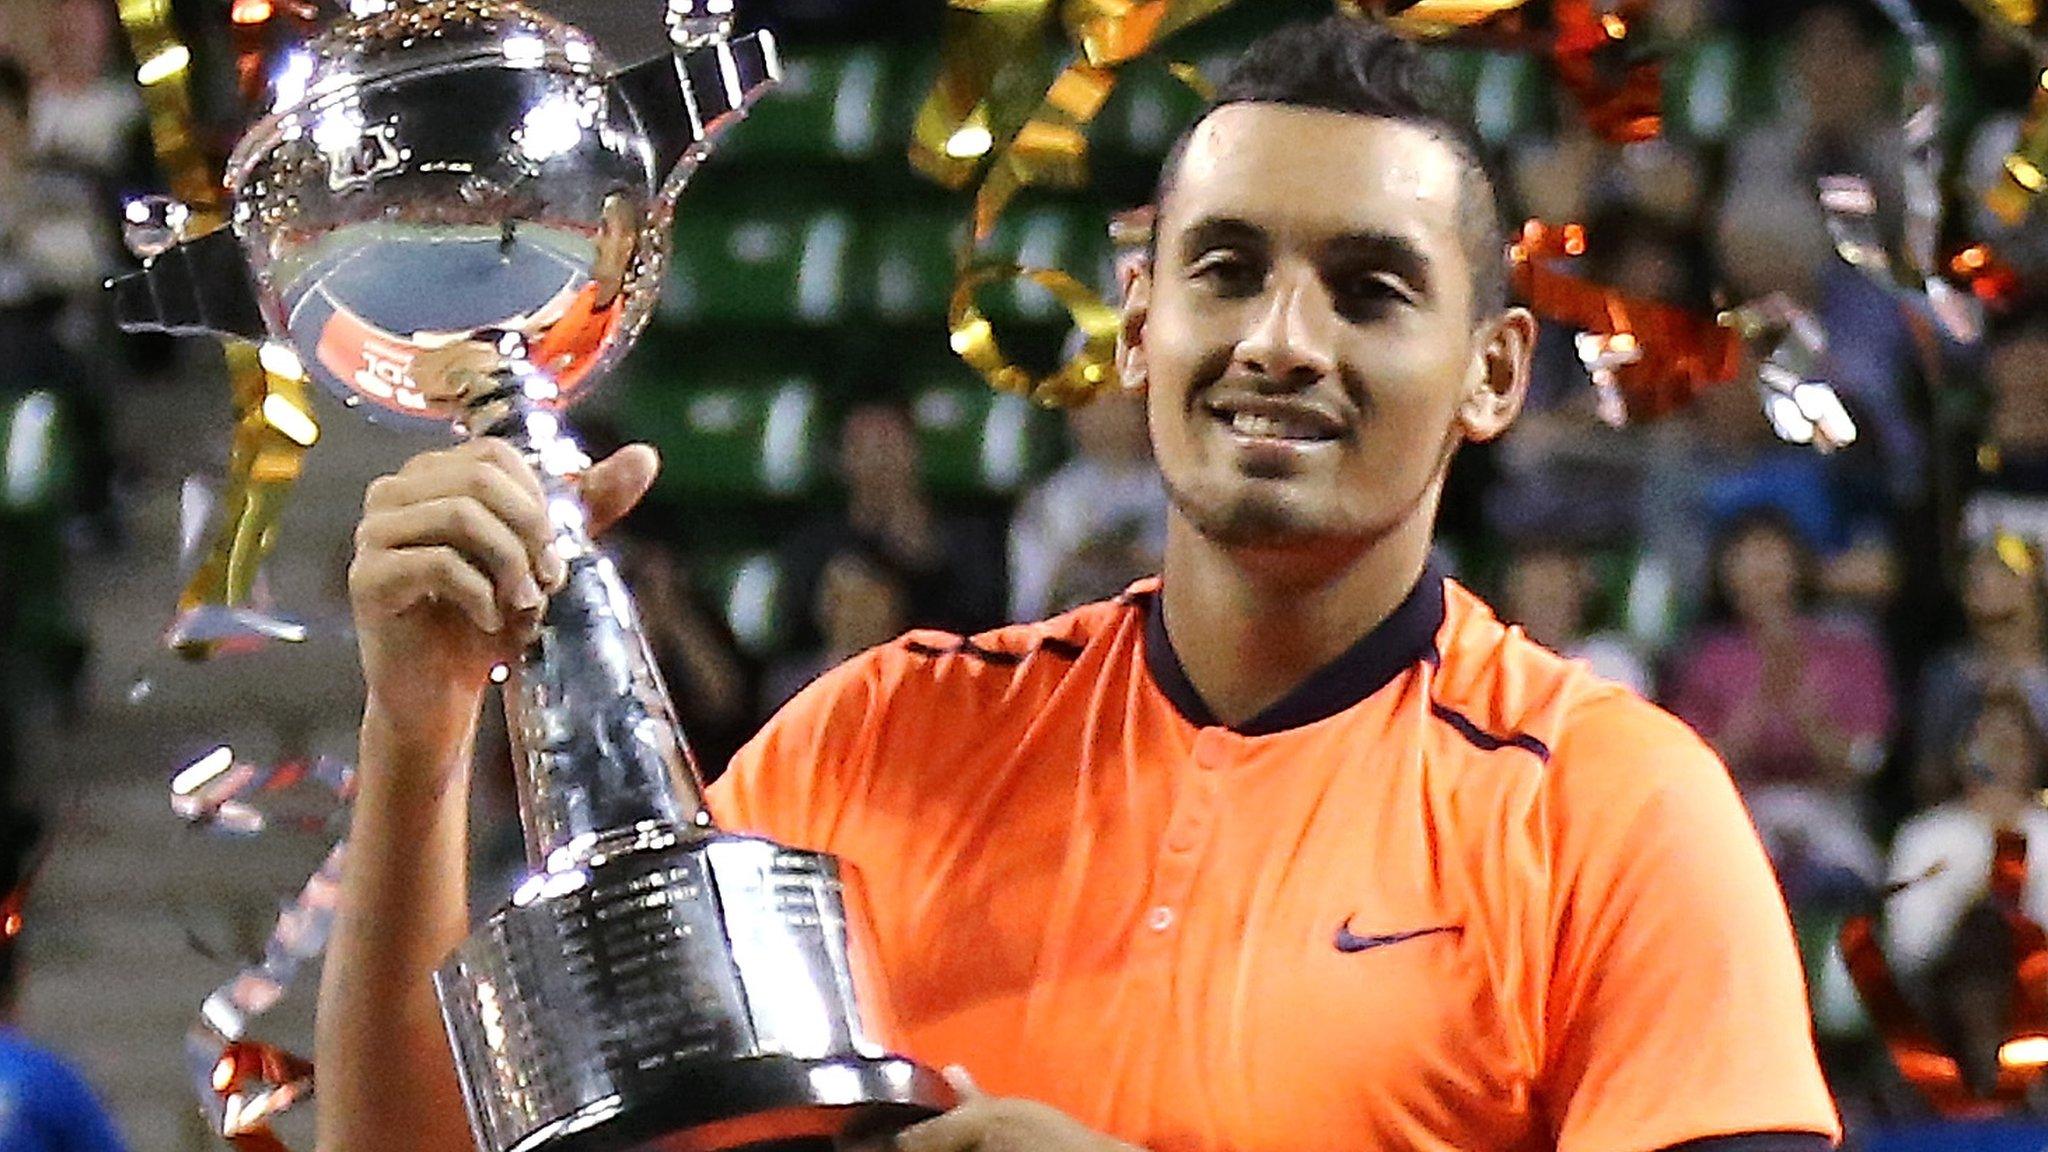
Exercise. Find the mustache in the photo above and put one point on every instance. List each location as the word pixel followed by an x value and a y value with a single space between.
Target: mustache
pixel 1213 366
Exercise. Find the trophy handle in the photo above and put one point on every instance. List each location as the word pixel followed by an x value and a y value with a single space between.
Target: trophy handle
pixel 599 757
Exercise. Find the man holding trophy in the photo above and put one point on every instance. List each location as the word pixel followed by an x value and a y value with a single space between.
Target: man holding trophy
pixel 1293 847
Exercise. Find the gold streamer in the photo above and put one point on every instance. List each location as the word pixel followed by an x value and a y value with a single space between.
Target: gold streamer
pixel 1115 32
pixel 1075 382
pixel 163 72
pixel 274 425
pixel 977 109
pixel 273 422
pixel 985 89
pixel 1051 150
pixel 1429 19
pixel 245 1082
pixel 2019 21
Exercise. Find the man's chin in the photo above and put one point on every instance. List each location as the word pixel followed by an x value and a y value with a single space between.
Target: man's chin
pixel 1262 516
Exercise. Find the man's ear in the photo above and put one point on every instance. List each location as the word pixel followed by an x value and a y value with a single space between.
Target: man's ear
pixel 1131 367
pixel 1498 380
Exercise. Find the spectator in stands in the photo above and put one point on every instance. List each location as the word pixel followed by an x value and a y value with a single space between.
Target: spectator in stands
pixel 45 1105
pixel 953 565
pixel 1944 936
pixel 2005 607
pixel 862 601
pixel 1563 174
pixel 1799 706
pixel 1833 114
pixel 2014 456
pixel 50 246
pixel 1549 589
pixel 1834 117
pixel 1719 460
pixel 1564 471
pixel 88 117
pixel 709 678
pixel 1096 523
pixel 55 247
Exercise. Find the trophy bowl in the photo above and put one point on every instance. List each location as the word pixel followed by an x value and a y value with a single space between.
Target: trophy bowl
pixel 451 171
pixel 457 213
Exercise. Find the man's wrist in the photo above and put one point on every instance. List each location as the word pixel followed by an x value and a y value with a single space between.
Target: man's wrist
pixel 416 744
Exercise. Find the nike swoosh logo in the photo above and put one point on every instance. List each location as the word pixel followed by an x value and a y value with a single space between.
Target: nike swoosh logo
pixel 1346 942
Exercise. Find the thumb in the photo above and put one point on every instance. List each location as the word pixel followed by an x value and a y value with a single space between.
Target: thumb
pixel 962 1083
pixel 614 485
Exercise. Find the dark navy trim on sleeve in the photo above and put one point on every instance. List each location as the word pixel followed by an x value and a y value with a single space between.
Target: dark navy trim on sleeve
pixel 1758 1142
pixel 1486 741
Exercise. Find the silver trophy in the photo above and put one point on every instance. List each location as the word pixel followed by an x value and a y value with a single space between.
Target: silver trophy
pixel 459 213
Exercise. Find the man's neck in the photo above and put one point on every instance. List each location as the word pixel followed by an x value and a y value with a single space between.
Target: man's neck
pixel 1250 628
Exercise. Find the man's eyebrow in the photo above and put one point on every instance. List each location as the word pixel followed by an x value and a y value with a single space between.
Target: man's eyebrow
pixel 1384 251
pixel 1216 231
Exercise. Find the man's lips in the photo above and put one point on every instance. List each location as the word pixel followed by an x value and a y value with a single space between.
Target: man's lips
pixel 1278 418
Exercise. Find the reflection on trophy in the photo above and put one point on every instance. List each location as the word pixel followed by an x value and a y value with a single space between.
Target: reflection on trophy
pixel 461 216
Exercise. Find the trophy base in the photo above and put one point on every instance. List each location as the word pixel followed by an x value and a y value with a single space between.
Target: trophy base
pixel 767 1104
pixel 673 992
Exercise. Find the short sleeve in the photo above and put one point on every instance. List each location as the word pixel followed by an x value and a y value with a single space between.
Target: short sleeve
pixel 791 783
pixel 1676 1007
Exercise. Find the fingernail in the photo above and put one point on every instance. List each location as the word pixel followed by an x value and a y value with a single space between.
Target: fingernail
pixel 494 620
pixel 527 596
pixel 556 571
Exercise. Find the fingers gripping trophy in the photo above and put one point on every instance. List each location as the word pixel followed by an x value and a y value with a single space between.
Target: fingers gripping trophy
pixel 462 219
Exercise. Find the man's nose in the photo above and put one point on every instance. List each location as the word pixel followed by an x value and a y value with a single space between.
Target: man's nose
pixel 1292 343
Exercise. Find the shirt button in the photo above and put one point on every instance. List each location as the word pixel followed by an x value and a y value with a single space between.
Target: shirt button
pixel 1161 919
pixel 1213 749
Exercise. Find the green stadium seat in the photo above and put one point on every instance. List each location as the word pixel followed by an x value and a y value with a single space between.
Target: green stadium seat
pixel 759 263
pixel 1706 95
pixel 1064 237
pixel 830 106
pixel 1838 1013
pixel 36 473
pixel 742 435
pixel 35 458
pixel 912 262
pixel 974 440
pixel 747 589
pixel 1145 114
pixel 1510 93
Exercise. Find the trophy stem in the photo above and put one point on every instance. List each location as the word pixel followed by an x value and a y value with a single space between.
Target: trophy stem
pixel 599 756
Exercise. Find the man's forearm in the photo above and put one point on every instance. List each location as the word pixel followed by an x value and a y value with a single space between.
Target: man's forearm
pixel 386 1076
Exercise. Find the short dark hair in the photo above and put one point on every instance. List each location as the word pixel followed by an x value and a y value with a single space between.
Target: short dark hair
pixel 15 91
pixel 1764 518
pixel 1349 65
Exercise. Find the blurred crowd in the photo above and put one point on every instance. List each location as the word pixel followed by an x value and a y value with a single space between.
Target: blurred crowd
pixel 1862 635
pixel 72 145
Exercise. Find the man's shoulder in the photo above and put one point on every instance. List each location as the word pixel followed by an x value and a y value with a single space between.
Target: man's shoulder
pixel 1603 742
pixel 925 663
pixel 1505 680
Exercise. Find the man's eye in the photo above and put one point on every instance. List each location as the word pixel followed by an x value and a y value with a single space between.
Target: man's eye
pixel 1372 293
pixel 1226 273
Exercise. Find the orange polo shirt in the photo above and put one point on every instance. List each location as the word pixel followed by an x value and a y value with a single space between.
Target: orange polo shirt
pixel 1455 892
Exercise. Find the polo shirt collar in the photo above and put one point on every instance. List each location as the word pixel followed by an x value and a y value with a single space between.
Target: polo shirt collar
pixel 1406 636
